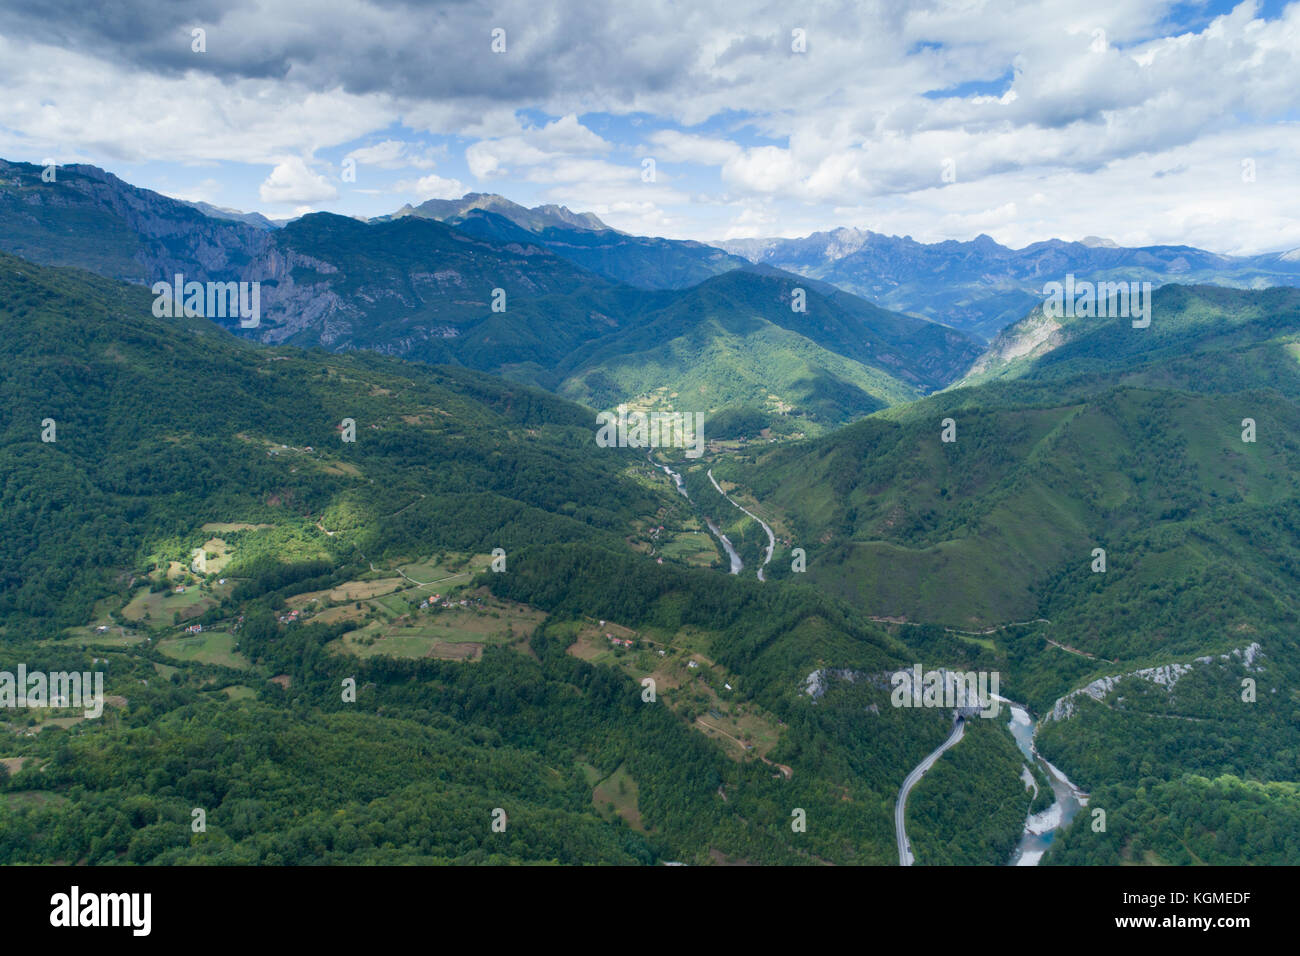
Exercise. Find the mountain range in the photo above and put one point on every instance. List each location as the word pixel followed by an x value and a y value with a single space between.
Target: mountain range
pixel 389 482
pixel 980 286
pixel 550 307
pixel 596 314
pixel 203 527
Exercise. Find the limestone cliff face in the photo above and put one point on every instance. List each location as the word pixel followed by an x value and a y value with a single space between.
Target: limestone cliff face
pixel 1166 676
pixel 404 287
pixel 87 217
pixel 1034 335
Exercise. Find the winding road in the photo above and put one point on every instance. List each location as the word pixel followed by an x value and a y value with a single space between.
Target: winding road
pixel 904 847
pixel 771 538
pixel 737 565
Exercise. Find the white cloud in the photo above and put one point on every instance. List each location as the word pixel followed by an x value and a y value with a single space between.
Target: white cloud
pixel 671 146
pixel 292 182
pixel 433 186
pixel 567 135
pixel 753 222
pixel 552 145
pixel 56 96
pixel 848 122
pixel 763 169
pixel 392 154
pixel 586 171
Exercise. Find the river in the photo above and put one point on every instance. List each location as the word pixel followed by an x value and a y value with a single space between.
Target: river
pixel 1041 828
pixel 771 538
pixel 736 563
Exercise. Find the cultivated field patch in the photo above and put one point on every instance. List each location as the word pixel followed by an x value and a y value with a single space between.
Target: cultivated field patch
pixel 209 647
pixel 617 795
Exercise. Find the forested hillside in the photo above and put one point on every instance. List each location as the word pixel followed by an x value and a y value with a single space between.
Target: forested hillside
pixel 593 314
pixel 1128 503
pixel 360 650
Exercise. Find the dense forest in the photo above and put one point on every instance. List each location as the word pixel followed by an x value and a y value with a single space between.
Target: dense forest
pixel 455 613
pixel 166 431
pixel 1103 510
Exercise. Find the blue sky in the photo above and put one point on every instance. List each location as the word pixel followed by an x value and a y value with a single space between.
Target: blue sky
pixel 1143 122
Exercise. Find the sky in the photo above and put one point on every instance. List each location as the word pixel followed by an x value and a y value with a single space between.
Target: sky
pixel 1140 122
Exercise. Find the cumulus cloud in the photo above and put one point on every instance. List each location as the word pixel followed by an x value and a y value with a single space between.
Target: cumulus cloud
pixel 392 154
pixel 673 146
pixel 433 186
pixel 1041 98
pixel 551 145
pixel 292 182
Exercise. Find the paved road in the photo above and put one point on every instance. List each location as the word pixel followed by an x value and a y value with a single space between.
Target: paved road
pixel 905 848
pixel 771 538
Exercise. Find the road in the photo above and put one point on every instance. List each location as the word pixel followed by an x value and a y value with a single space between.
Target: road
pixel 904 848
pixel 771 538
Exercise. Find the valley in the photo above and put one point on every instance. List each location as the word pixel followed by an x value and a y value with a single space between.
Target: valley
pixel 355 583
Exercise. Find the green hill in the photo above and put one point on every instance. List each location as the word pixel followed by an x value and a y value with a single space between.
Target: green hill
pixel 736 342
pixel 198 481
pixel 1120 440
pixel 1068 457
pixel 546 305
pixel 162 425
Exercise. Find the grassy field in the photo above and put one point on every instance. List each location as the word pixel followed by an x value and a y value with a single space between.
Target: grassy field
pixel 446 574
pixel 616 795
pixel 344 612
pixel 457 633
pixel 115 637
pixel 157 607
pixel 592 645
pixel 210 647
pixel 742 728
pixel 694 548
pixel 212 556
pixel 377 640
pixel 396 604
pixel 362 590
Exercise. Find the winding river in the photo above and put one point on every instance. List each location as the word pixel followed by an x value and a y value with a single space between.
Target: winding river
pixel 1040 828
pixel 736 563
pixel 771 538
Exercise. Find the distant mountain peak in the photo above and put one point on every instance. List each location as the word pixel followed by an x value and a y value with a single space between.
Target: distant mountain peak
pixel 534 220
pixel 236 215
pixel 581 220
pixel 1097 242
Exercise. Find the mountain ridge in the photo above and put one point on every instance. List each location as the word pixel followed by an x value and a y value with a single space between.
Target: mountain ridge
pixel 981 286
pixel 480 290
